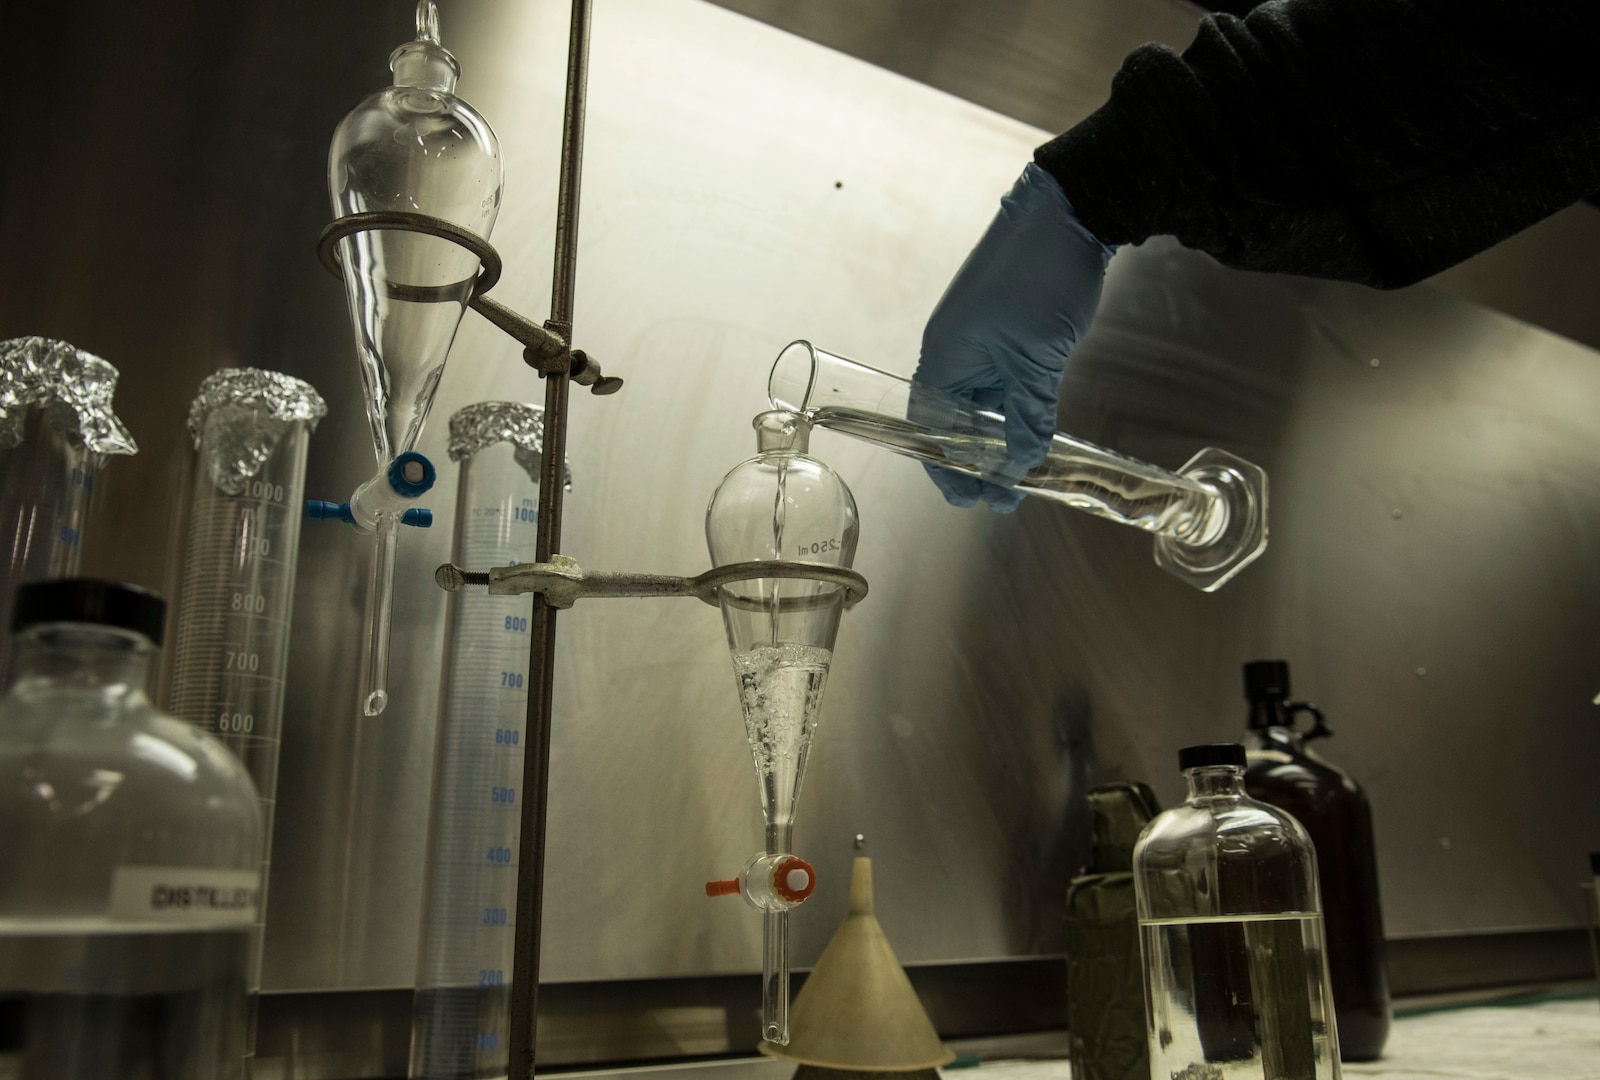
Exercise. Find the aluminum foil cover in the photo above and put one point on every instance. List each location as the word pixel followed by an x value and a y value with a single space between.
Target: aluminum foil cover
pixel 39 372
pixel 254 409
pixel 488 423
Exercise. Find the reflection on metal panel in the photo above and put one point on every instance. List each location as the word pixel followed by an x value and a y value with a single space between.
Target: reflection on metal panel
pixel 742 187
pixel 1047 64
pixel 1050 64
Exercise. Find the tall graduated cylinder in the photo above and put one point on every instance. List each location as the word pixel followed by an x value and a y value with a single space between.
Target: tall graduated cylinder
pixel 460 1012
pixel 1230 925
pixel 57 431
pixel 231 664
pixel 129 860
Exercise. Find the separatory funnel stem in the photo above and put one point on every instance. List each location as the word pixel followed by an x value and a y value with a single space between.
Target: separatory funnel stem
pixel 775 948
pixel 380 605
pixel 380 507
pixel 775 977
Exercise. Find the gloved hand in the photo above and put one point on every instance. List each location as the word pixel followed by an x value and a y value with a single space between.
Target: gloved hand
pixel 1001 334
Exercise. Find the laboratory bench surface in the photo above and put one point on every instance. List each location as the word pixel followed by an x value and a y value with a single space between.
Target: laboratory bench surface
pixel 1520 1040
pixel 1550 1040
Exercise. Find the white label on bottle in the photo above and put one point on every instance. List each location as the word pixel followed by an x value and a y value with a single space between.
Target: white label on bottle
pixel 184 896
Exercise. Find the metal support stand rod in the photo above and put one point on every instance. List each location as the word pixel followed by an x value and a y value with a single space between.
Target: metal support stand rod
pixel 542 646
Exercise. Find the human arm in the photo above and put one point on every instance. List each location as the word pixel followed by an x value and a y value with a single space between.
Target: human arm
pixel 1377 141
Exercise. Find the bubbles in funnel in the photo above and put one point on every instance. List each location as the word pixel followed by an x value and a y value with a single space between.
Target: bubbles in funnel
pixel 780 691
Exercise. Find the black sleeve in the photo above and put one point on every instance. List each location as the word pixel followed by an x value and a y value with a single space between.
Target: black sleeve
pixel 1377 141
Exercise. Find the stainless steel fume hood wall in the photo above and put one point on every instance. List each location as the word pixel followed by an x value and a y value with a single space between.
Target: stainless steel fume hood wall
pixel 742 187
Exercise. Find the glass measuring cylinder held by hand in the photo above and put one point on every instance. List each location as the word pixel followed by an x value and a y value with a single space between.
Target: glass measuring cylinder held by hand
pixel 251 430
pixel 56 432
pixel 781 505
pixel 1209 519
pixel 464 958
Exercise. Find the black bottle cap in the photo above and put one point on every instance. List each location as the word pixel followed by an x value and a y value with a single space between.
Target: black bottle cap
pixel 1198 757
pixel 1266 680
pixel 1594 862
pixel 82 600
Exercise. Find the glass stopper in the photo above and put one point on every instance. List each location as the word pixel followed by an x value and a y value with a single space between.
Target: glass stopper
pixel 428 21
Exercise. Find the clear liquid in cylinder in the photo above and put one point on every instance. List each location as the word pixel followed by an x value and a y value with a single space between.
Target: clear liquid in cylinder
pixel 1238 998
pixel 1075 474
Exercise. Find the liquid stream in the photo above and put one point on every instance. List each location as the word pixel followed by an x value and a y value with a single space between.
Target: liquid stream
pixel 1240 998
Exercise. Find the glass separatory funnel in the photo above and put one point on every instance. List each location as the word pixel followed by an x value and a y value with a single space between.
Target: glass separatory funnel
pixel 57 431
pixel 251 429
pixel 780 505
pixel 412 164
pixel 1209 519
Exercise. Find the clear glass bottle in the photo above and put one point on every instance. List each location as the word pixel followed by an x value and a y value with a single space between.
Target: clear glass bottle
pixel 129 855
pixel 1230 926
pixel 1338 817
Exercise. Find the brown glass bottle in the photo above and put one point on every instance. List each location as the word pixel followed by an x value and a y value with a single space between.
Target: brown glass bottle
pixel 1335 811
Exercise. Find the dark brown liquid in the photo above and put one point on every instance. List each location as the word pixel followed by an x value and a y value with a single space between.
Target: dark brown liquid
pixel 1335 811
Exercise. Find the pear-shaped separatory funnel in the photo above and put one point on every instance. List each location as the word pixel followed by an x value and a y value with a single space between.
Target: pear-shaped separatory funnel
pixel 857 1011
pixel 412 150
pixel 781 505
pixel 413 147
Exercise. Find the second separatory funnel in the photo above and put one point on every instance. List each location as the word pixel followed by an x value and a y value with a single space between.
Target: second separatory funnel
pixel 415 177
pixel 780 505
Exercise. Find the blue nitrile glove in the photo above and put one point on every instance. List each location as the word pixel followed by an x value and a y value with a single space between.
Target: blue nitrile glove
pixel 1001 334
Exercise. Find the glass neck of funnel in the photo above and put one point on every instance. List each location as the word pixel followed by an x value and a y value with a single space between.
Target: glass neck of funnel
pixel 781 431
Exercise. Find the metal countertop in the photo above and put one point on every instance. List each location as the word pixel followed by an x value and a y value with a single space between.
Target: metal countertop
pixel 1536 1040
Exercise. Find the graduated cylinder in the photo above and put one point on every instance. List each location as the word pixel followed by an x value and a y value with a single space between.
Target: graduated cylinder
pixel 459 1017
pixel 57 431
pixel 1209 518
pixel 251 429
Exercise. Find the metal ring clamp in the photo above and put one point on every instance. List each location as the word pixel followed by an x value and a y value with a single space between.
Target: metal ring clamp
pixel 405 221
pixel 707 586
